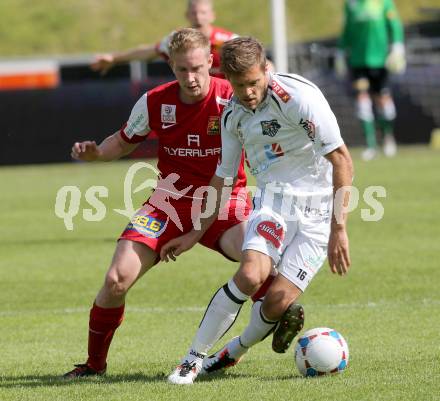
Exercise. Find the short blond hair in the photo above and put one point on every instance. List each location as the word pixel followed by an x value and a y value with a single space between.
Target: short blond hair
pixel 192 3
pixel 241 54
pixel 187 39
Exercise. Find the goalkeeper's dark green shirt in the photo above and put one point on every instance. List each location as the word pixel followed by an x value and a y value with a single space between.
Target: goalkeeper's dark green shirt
pixel 370 27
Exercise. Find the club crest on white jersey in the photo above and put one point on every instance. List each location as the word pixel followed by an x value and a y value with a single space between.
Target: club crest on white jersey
pixel 270 128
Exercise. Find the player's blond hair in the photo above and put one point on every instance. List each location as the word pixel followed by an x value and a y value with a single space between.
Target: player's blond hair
pixel 187 39
pixel 192 3
pixel 240 54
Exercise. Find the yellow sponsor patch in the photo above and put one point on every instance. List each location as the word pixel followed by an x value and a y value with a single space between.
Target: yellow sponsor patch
pixel 146 225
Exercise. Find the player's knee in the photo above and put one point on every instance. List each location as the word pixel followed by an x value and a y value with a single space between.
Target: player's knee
pixel 387 109
pixel 116 284
pixel 364 108
pixel 361 85
pixel 249 278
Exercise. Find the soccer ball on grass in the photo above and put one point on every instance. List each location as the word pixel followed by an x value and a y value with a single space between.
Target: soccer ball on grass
pixel 320 351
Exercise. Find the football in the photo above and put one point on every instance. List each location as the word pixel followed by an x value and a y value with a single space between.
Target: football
pixel 320 351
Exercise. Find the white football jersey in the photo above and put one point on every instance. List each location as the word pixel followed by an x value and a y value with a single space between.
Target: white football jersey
pixel 285 138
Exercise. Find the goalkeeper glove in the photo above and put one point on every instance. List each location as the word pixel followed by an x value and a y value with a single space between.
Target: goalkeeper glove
pixel 396 62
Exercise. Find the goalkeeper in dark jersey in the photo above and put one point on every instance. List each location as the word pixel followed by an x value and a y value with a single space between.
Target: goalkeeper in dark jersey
pixel 372 45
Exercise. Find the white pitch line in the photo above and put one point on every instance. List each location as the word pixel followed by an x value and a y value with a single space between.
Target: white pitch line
pixel 198 309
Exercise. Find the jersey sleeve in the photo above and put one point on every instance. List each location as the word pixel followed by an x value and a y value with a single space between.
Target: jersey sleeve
pixel 318 122
pixel 137 127
pixel 344 39
pixel 393 22
pixel 231 148
pixel 162 47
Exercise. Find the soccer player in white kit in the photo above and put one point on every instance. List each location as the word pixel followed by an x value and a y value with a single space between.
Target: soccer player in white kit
pixel 294 149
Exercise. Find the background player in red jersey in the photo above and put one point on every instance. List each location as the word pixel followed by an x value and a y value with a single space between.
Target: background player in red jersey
pixel 185 114
pixel 200 14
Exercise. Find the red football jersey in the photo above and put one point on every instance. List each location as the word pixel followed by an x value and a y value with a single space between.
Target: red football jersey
pixel 189 134
pixel 218 37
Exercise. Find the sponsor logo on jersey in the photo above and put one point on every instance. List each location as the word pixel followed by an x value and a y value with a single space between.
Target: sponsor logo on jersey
pixel 220 100
pixel 270 128
pixel 193 138
pixel 222 37
pixel 188 152
pixel 146 225
pixel 273 151
pixel 284 96
pixel 309 127
pixel 271 231
pixel 135 126
pixel 314 262
pixel 166 126
pixel 213 125
pixel 168 114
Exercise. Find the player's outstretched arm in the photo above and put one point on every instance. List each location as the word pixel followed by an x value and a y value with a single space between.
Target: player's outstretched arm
pixel 103 62
pixel 113 147
pixel 338 245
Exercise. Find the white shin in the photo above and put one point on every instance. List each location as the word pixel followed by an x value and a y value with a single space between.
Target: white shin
pixel 219 317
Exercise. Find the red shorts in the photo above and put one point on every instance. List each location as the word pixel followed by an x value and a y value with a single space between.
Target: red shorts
pixel 154 227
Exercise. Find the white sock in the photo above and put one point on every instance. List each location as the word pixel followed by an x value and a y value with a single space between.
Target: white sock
pixel 236 349
pixel 219 317
pixel 258 328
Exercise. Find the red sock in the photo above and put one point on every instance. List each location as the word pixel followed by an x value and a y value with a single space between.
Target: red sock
pixel 102 325
pixel 263 289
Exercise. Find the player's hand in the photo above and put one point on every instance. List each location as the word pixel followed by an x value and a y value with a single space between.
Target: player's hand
pixel 86 151
pixel 338 251
pixel 340 64
pixel 396 62
pixel 102 63
pixel 177 246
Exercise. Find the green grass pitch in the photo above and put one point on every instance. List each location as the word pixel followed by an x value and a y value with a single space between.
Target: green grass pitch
pixel 388 307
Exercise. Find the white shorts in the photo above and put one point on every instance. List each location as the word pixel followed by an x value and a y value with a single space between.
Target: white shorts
pixel 297 247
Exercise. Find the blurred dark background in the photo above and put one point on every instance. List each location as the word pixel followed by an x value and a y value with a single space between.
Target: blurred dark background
pixel 40 125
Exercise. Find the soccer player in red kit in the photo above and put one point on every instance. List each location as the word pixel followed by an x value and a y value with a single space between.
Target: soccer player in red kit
pixel 186 116
pixel 200 14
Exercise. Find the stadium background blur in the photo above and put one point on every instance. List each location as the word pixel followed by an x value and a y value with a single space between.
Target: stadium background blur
pixel 46 86
pixel 386 307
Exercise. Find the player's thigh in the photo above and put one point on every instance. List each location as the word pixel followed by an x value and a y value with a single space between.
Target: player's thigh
pixel 227 232
pixel 360 81
pixel 268 233
pixel 231 241
pixel 255 268
pixel 305 255
pixel 378 81
pixel 130 261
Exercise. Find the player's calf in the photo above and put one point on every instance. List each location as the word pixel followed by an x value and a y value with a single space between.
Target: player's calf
pixel 288 327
